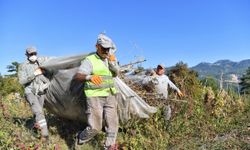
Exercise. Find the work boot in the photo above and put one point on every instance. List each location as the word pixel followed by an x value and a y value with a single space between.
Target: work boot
pixel 85 136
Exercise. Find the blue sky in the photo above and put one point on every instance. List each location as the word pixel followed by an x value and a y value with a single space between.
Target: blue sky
pixel 161 31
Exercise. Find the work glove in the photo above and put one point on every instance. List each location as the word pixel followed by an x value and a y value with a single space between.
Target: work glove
pixel 38 71
pixel 112 58
pixel 96 79
pixel 180 94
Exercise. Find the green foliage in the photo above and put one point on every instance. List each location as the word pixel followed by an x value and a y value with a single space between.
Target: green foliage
pixel 145 133
pixel 245 83
pixel 10 85
pixel 13 68
pixel 188 83
pixel 210 81
pixel 140 68
pixel 186 80
pixel 222 104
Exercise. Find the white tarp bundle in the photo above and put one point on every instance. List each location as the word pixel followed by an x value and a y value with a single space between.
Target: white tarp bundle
pixel 65 97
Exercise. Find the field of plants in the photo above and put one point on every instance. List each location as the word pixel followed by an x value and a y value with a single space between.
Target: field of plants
pixel 209 119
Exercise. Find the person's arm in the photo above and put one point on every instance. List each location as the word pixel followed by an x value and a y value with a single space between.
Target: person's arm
pixel 80 77
pixel 146 80
pixel 84 71
pixel 93 78
pixel 173 86
pixel 44 59
pixel 113 65
pixel 24 75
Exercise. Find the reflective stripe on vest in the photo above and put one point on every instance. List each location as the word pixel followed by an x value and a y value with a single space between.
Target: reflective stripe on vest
pixel 99 68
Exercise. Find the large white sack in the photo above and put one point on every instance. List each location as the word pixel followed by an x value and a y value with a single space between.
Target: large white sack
pixel 65 97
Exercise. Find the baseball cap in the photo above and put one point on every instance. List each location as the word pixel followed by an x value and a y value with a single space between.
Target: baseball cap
pixel 104 41
pixel 161 66
pixel 31 50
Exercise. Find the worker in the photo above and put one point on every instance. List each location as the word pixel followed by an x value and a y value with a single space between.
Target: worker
pixel 96 72
pixel 161 82
pixel 30 75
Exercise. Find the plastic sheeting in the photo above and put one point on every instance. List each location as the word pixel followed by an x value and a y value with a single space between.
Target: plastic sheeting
pixel 64 96
pixel 130 103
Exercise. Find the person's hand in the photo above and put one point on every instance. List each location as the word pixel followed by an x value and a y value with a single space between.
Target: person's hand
pixel 180 94
pixel 112 58
pixel 38 71
pixel 96 79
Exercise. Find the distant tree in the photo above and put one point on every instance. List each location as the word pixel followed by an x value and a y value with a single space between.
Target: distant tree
pixel 245 82
pixel 13 68
pixel 210 81
pixel 141 68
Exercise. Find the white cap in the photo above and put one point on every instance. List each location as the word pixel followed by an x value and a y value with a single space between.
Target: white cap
pixel 31 50
pixel 106 42
pixel 161 65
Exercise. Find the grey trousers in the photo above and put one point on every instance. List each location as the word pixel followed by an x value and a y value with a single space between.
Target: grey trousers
pixel 36 103
pixel 99 108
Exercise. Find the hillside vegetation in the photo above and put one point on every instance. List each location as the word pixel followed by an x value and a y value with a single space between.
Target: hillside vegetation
pixel 206 118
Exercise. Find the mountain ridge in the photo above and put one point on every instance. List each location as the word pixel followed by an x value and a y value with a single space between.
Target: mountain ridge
pixel 225 66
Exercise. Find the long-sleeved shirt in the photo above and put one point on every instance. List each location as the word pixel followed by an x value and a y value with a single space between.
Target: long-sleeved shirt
pixel 161 83
pixel 27 77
